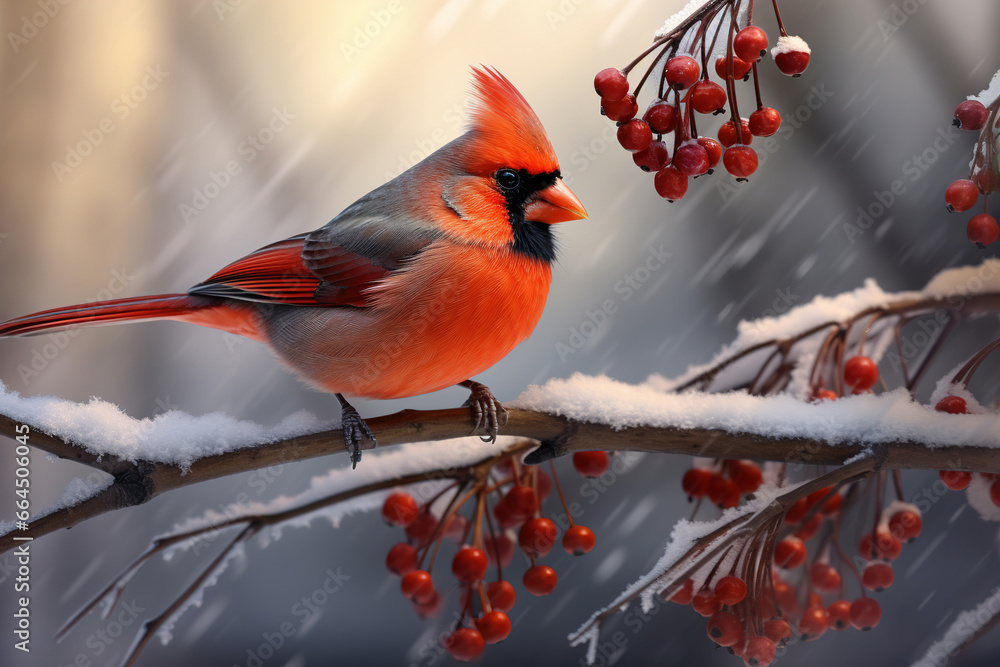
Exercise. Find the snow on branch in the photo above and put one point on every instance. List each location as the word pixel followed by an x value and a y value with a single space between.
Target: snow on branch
pixel 964 630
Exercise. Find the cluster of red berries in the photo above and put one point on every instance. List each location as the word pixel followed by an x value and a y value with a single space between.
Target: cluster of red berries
pixel 860 375
pixel 984 177
pixel 722 483
pixel 685 89
pixel 959 480
pixel 489 537
pixel 757 601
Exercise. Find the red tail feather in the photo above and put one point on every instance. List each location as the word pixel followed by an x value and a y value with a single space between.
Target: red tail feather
pixel 204 311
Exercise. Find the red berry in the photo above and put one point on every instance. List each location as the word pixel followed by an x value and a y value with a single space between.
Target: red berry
pixel 814 623
pixel 825 578
pixel 430 606
pixel 995 492
pixel 961 195
pixel 790 553
pixel 723 492
pixel 494 626
pixel 402 559
pixel 740 161
pixel 839 614
pixel 865 613
pixel 826 395
pixel 539 580
pixel 521 501
pixel 635 135
pixel 684 594
pixel 861 373
pixel 797 511
pixel 741 68
pixel 499 549
pixel 457 529
pixel 654 158
pixel 777 630
pixel 681 72
pixel 611 84
pixel 591 464
pixel 417 585
pixel 905 525
pixel 670 183
pixel 727 133
pixel 730 590
pixel 987 180
pixel 707 97
pixel 422 528
pixel 764 122
pixel 661 117
pixel 759 652
pixel 750 43
pixel 544 483
pixel 792 63
pixel 579 540
pixel 706 603
pixel 504 516
pixel 537 536
pixel 691 159
pixel 952 404
pixel 971 115
pixel 883 547
pixel 787 598
pixel 983 230
pixel 956 480
pixel 714 150
pixel 877 577
pixel 809 527
pixel 746 475
pixel 464 644
pixel 469 565
pixel 620 110
pixel 831 506
pixel 400 509
pixel 502 595
pixel 724 628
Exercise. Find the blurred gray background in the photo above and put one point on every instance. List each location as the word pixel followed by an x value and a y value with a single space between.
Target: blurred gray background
pixel 166 93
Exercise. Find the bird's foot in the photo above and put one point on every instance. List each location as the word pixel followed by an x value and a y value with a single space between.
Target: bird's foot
pixel 356 431
pixel 486 410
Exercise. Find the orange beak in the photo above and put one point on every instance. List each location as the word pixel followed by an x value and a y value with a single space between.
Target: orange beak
pixel 556 203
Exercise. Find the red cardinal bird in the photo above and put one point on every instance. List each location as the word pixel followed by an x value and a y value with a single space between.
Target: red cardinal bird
pixel 417 286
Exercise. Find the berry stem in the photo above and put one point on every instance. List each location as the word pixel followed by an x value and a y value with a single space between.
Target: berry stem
pixel 756 87
pixel 777 17
pixel 562 498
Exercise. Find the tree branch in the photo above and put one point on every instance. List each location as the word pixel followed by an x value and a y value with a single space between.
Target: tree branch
pixel 139 482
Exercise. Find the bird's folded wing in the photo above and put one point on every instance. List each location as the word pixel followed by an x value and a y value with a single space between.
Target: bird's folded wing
pixel 277 273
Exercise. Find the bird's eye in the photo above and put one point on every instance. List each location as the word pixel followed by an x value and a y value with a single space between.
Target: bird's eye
pixel 508 179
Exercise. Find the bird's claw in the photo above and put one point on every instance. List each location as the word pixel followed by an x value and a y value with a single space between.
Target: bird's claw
pixel 356 431
pixel 486 410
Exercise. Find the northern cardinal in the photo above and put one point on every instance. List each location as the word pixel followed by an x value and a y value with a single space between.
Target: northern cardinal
pixel 420 284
